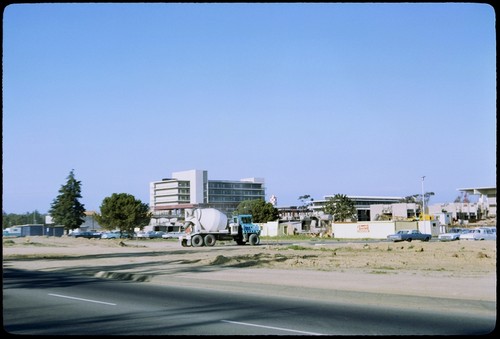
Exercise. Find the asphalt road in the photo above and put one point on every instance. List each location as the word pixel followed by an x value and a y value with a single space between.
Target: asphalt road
pixel 43 303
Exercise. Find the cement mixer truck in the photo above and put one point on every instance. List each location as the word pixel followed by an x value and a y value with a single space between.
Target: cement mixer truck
pixel 204 226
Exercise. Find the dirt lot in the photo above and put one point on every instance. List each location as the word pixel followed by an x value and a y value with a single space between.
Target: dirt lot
pixel 459 269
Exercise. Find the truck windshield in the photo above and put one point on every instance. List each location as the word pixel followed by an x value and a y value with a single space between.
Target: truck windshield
pixel 246 220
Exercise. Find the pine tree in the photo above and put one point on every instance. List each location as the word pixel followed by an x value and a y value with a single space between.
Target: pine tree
pixel 66 209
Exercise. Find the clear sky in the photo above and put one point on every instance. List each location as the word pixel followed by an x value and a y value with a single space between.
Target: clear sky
pixel 318 99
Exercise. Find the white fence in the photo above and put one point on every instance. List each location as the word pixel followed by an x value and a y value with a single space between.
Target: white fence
pixel 381 229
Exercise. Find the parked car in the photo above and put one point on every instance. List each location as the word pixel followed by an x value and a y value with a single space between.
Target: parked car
pixel 480 233
pixel 171 235
pixel 149 234
pixel 12 232
pixel 453 234
pixel 126 235
pixel 142 235
pixel 112 235
pixel 157 235
pixel 409 235
pixel 493 229
pixel 88 235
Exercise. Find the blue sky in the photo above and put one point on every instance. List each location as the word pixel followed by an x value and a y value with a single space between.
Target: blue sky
pixel 318 99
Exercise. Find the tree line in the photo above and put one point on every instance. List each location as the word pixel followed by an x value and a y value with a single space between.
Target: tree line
pixel 12 219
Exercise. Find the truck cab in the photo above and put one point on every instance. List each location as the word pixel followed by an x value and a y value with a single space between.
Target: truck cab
pixel 244 230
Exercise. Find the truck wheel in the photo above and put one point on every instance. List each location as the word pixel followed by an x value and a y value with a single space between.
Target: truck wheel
pixel 197 240
pixel 209 240
pixel 240 242
pixel 184 243
pixel 253 239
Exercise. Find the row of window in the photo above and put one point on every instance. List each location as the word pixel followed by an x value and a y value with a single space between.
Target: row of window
pixel 232 198
pixel 234 185
pixel 184 191
pixel 213 192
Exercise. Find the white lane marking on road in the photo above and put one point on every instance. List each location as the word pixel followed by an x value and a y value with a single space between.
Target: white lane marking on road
pixel 81 299
pixel 271 327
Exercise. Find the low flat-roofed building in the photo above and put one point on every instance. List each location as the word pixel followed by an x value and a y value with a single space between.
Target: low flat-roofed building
pixel 487 198
pixel 361 202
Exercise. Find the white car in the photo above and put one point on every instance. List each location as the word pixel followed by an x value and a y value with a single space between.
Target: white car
pixel 150 234
pixel 480 233
pixel 453 234
pixel 111 235
pixel 143 235
pixel 170 235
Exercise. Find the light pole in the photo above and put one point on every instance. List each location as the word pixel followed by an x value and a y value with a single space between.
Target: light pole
pixel 423 198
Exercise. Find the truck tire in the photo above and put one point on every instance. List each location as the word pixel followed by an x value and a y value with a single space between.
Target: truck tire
pixel 209 240
pixel 240 241
pixel 184 243
pixel 253 239
pixel 197 241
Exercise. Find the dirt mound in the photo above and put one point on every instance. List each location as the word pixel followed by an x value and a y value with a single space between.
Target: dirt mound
pixel 457 258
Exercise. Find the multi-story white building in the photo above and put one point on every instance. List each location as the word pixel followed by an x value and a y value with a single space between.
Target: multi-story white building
pixel 192 189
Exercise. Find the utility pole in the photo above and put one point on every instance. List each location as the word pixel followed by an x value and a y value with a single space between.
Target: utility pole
pixel 423 198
